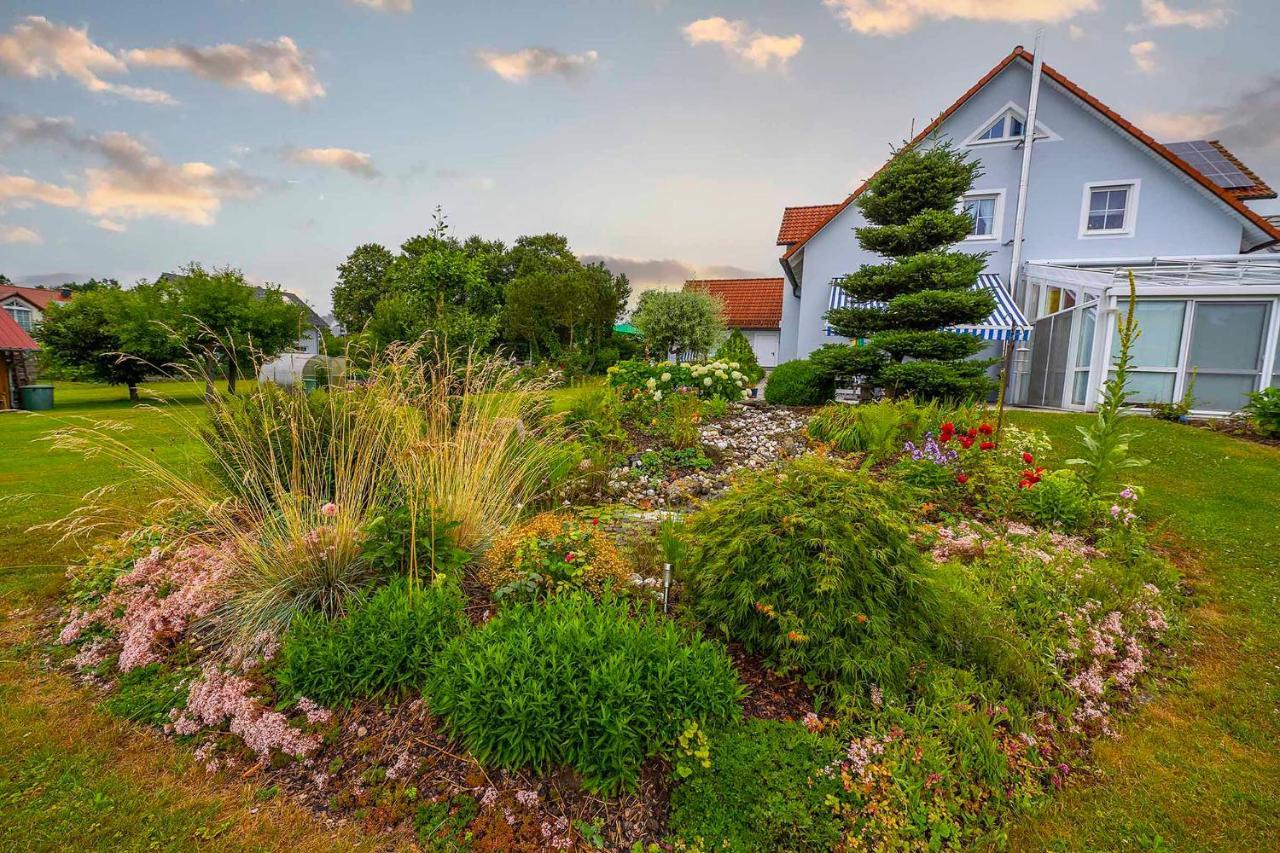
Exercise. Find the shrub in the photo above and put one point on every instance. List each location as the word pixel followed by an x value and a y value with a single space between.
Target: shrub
pixel 636 379
pixel 813 566
pixel 383 646
pixel 737 348
pixel 580 682
pixel 798 383
pixel 763 791
pixel 1263 410
pixel 877 429
pixel 397 542
pixel 552 552
pixel 1058 500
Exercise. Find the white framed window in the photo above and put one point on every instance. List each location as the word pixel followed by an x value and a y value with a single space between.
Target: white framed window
pixel 21 315
pixel 986 209
pixel 1109 208
pixel 1007 125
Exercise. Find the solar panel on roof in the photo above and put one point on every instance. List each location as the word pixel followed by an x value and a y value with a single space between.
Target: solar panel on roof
pixel 1205 158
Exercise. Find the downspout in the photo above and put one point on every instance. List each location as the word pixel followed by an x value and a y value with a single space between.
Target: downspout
pixel 1018 359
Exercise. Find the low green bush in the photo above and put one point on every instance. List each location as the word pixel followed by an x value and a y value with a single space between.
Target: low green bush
pixel 763 791
pixel 1263 410
pixel 798 383
pixel 580 682
pixel 813 565
pixel 148 693
pixel 876 429
pixel 715 378
pixel 383 646
pixel 1059 500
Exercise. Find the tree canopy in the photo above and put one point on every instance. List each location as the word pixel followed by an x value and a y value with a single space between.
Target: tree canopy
pixel 679 321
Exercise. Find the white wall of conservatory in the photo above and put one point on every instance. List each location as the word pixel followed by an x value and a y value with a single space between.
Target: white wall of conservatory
pixel 1210 328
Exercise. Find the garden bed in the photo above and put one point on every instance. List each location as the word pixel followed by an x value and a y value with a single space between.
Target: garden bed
pixel 918 613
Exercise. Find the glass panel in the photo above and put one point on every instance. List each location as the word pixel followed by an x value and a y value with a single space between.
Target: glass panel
pixel 1150 387
pixel 1081 387
pixel 1084 343
pixel 982 211
pixel 996 131
pixel 1222 392
pixel 1015 126
pixel 1106 208
pixel 1227 335
pixel 1160 323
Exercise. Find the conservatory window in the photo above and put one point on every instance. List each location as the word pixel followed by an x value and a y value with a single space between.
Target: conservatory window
pixel 1226 353
pixel 982 209
pixel 1108 209
pixel 1156 351
pixel 20 315
pixel 1084 354
pixel 1275 368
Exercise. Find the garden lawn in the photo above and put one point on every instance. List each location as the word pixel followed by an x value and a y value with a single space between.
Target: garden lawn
pixel 1197 769
pixel 71 776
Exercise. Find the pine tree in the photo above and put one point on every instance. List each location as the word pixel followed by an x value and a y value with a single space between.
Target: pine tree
pixel 924 287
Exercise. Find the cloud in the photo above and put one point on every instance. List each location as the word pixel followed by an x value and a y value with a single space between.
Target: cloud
pixel 1176 127
pixel 1075 32
pixel 649 273
pixel 277 68
pixel 520 65
pixel 111 225
pixel 131 182
pixel 756 48
pixel 20 188
pixel 36 47
pixel 1249 122
pixel 387 5
pixel 356 162
pixel 1158 13
pixel 895 17
pixel 1144 56
pixel 18 234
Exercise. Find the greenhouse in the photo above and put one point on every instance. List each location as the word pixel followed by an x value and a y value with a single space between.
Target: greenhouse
pixel 304 370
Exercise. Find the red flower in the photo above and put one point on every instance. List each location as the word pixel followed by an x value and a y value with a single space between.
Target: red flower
pixel 945 437
pixel 972 433
pixel 986 429
pixel 966 441
pixel 595 522
pixel 988 445
pixel 962 478
pixel 568 558
pixel 948 427
pixel 1027 457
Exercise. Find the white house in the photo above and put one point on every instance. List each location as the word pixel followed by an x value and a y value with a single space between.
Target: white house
pixel 26 305
pixel 1101 198
pixel 752 306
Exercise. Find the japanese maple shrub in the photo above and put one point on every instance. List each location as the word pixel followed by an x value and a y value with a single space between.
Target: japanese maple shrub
pixel 904 306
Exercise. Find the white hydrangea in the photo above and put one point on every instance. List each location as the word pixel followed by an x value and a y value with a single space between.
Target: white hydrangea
pixel 657 395
pixel 735 365
pixel 707 382
pixel 651 383
pixel 720 374
pixel 666 377
pixel 736 375
pixel 746 395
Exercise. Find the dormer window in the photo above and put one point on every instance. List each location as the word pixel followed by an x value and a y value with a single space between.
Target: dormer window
pixel 1008 126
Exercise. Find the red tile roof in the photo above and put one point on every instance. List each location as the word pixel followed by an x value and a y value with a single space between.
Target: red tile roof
pixel 37 296
pixel 1019 52
pixel 749 303
pixel 12 336
pixel 797 222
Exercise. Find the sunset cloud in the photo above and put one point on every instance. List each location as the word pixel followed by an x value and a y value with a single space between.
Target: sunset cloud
pixel 1144 56
pixel 111 225
pixel 277 68
pixel 356 162
pixel 18 234
pixel 895 17
pixel 386 5
pixel 518 66
pixel 1158 13
pixel 36 48
pixel 758 49
pixel 20 189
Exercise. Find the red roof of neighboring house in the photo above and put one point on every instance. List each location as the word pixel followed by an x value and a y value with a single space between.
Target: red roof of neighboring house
pixel 797 222
pixel 12 336
pixel 37 296
pixel 749 303
pixel 1019 52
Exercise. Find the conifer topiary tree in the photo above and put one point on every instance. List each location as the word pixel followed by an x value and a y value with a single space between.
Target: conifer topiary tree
pixel 923 287
pixel 736 348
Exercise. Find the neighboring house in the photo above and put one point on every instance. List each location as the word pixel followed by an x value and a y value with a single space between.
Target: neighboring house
pixel 26 305
pixel 311 340
pixel 752 305
pixel 1103 198
pixel 16 350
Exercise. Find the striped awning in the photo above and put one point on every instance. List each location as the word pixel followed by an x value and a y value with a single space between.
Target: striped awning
pixel 1005 323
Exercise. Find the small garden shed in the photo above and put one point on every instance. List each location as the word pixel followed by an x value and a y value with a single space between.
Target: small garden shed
pixel 16 351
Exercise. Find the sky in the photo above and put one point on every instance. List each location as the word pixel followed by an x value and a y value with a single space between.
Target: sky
pixel 664 136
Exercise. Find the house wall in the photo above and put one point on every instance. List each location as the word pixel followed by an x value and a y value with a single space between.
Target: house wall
pixel 36 314
pixel 1173 216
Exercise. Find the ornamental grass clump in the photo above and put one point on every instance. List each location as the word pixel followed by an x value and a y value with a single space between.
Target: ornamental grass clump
pixel 581 682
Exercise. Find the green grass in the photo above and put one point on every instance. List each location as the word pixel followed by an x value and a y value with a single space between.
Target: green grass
pixel 1194 770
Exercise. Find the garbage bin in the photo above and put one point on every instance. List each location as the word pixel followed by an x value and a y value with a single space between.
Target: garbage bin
pixel 37 398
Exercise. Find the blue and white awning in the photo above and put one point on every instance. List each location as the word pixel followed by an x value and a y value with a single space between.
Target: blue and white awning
pixel 1005 323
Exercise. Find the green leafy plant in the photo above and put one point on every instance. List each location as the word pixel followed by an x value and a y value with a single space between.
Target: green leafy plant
pixel 550 553
pixel 383 646
pixel 396 542
pixel 1106 440
pixel 147 694
pixel 692 750
pixel 763 791
pixel 798 383
pixel 1059 500
pixel 685 410
pixel 876 429
pixel 737 348
pixel 580 682
pixel 1263 411
pixel 1176 411
pixel 640 379
pixel 442 826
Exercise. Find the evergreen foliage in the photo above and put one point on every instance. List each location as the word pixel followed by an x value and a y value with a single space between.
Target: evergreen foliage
pixel 737 348
pixel 798 383
pixel 905 305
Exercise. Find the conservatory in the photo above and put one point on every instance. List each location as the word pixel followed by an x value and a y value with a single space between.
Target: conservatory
pixel 303 370
pixel 1208 330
